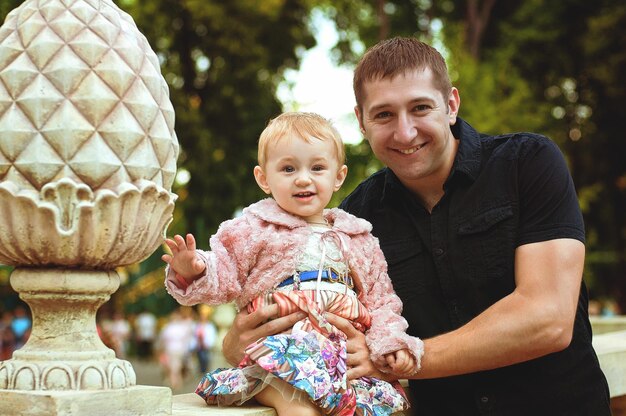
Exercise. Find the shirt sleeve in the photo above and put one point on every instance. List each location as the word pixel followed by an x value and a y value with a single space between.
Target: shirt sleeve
pixel 388 328
pixel 549 207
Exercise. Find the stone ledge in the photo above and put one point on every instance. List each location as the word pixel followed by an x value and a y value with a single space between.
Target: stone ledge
pixel 604 324
pixel 611 350
pixel 191 404
pixel 132 401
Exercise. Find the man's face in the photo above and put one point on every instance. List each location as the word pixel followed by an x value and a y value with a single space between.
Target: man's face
pixel 407 123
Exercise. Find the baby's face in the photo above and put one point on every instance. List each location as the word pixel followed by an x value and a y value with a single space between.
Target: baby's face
pixel 301 176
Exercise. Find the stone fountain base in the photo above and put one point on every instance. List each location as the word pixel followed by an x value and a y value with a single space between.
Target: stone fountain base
pixel 64 368
pixel 135 401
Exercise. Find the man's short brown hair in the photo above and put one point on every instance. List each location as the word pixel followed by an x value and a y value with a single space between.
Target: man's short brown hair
pixel 392 57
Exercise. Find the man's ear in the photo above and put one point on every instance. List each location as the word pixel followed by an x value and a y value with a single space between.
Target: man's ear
pixel 454 103
pixel 359 118
pixel 261 179
pixel 341 177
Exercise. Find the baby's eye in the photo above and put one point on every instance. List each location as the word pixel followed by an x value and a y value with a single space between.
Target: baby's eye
pixel 288 169
pixel 318 168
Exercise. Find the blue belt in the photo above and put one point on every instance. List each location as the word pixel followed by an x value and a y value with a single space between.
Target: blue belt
pixel 327 275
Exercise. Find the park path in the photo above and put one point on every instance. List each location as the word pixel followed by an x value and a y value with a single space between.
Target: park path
pixel 150 373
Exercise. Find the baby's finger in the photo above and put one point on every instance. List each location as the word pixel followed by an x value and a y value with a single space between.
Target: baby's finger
pixel 166 258
pixel 191 242
pixel 409 365
pixel 171 244
pixel 391 360
pixel 198 265
pixel 402 360
pixel 180 242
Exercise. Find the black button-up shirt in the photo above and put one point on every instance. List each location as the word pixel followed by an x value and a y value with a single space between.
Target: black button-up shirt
pixel 450 265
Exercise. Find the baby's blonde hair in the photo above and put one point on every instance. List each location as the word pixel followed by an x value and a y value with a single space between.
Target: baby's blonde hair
pixel 304 125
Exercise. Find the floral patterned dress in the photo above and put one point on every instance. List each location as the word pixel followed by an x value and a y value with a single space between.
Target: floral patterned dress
pixel 310 359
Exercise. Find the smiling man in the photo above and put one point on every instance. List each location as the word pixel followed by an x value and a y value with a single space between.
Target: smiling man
pixel 484 241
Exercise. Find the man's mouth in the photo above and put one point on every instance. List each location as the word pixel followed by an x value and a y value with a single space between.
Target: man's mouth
pixel 412 149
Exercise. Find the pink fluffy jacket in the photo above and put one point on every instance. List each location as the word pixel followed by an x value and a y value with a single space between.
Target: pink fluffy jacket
pixel 253 253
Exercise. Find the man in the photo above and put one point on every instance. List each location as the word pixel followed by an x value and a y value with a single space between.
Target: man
pixel 484 241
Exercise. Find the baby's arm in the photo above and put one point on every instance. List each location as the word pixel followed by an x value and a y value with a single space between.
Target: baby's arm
pixel 184 260
pixel 215 276
pixel 388 328
pixel 402 363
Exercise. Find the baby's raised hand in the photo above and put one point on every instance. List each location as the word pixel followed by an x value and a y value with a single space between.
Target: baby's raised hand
pixel 402 363
pixel 184 260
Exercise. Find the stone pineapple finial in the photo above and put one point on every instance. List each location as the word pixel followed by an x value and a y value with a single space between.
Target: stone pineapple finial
pixel 87 143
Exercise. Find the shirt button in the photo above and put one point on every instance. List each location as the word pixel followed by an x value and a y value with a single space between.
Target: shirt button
pixel 438 252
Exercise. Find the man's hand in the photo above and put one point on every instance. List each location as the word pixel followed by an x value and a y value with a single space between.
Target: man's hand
pixel 249 327
pixel 358 359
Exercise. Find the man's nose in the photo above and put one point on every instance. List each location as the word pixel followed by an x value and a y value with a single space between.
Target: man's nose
pixel 406 128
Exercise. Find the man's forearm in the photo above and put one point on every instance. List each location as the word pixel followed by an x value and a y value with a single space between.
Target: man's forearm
pixel 511 331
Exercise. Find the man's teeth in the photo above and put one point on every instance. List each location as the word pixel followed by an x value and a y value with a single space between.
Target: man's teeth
pixel 411 150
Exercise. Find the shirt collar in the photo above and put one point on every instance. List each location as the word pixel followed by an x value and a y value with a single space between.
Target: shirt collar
pixel 466 162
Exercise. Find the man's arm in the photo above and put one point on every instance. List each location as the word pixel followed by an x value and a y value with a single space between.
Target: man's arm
pixel 535 320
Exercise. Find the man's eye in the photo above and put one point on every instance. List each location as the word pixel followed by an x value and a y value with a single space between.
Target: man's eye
pixel 422 107
pixel 383 114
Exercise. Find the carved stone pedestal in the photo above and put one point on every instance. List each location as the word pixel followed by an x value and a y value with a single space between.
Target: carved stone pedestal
pixel 132 401
pixel 64 368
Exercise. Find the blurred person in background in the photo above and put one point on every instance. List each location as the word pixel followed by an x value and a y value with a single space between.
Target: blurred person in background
pixel 145 334
pixel 173 344
pixel 119 331
pixel 7 337
pixel 205 338
pixel 21 325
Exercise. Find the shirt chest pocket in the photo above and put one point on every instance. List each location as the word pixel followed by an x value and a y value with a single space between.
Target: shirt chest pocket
pixel 486 242
pixel 406 265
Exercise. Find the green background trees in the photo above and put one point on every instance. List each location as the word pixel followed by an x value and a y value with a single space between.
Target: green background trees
pixel 549 67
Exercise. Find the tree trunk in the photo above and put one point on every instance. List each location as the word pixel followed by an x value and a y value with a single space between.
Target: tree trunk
pixel 478 14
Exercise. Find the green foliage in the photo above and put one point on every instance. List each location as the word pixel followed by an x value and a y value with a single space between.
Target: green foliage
pixel 494 96
pixel 6 6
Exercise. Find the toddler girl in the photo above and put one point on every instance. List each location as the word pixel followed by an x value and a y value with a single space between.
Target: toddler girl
pixel 291 251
